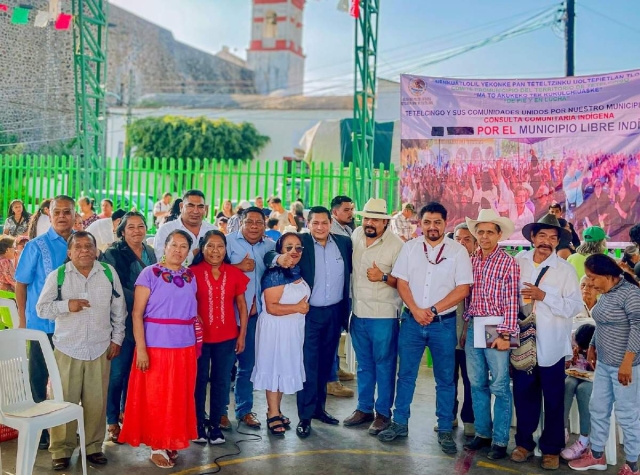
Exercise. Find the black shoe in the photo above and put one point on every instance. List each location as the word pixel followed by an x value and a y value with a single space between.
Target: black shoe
pixel 44 440
pixel 497 452
pixel 477 443
pixel 216 437
pixel 447 444
pixel 202 436
pixel 304 428
pixel 326 418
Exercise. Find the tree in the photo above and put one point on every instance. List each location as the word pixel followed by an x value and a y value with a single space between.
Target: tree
pixel 199 137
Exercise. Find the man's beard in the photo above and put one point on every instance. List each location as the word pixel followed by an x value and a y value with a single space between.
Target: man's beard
pixel 431 237
pixel 370 232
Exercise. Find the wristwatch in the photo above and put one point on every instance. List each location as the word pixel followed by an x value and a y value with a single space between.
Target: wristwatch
pixel 385 277
pixel 434 310
pixel 506 336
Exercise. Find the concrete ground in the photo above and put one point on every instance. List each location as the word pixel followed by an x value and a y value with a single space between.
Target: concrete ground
pixel 329 449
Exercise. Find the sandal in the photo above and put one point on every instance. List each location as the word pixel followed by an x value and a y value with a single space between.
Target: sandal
pixel 274 428
pixel 163 453
pixel 286 422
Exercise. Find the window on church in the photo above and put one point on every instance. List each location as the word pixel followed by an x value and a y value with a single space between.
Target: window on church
pixel 270 24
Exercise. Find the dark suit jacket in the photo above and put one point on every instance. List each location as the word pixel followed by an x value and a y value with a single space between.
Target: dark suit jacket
pixel 308 266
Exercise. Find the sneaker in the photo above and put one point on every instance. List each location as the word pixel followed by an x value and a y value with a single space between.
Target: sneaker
pixel 216 437
pixel 394 430
pixel 202 436
pixel 345 375
pixel 626 470
pixel 573 452
pixel 588 462
pixel 447 444
pixel 338 390
pixel 497 452
pixel 225 423
pixel 454 425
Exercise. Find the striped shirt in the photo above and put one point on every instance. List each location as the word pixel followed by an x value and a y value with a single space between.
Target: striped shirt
pixel 495 289
pixel 617 316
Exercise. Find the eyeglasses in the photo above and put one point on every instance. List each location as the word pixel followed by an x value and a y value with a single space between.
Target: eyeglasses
pixel 297 248
pixel 249 223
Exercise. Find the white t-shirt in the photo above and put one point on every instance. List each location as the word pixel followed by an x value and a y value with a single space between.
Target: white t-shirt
pixel 165 229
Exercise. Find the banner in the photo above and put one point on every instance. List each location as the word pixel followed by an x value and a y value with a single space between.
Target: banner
pixel 519 145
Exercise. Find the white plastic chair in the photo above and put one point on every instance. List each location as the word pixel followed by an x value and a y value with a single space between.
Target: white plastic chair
pixel 17 408
pixel 13 310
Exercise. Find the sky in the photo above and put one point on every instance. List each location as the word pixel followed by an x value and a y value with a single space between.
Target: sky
pixel 411 31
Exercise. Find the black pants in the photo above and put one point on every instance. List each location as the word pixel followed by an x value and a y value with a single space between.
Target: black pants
pixel 321 339
pixel 214 367
pixel 528 393
pixel 38 372
pixel 467 405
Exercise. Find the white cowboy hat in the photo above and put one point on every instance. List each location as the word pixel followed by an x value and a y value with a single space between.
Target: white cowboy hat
pixel 375 208
pixel 490 216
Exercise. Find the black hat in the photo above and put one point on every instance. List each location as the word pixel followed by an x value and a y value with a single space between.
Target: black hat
pixel 548 221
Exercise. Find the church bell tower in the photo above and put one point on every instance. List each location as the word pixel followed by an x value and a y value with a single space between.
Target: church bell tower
pixel 275 53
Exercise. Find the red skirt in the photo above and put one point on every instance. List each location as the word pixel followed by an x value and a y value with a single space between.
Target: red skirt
pixel 160 411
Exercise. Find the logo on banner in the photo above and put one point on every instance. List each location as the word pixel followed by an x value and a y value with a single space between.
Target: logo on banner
pixel 417 86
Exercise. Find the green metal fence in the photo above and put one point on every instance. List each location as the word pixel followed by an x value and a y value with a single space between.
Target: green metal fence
pixel 140 182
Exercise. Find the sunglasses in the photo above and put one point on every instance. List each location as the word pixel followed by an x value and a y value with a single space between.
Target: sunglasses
pixel 297 248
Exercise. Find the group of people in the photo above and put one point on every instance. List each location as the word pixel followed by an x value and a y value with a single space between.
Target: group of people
pixel 141 333
pixel 597 189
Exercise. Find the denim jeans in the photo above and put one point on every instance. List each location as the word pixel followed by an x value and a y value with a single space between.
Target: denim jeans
pixel 246 360
pixel 375 341
pixel 214 367
pixel 479 362
pixel 440 338
pixel 582 390
pixel 119 381
pixel 607 391
pixel 335 368
pixel 466 414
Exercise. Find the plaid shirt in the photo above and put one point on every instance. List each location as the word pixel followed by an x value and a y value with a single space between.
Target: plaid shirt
pixel 402 226
pixel 495 289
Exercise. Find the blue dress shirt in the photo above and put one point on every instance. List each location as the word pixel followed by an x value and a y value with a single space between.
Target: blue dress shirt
pixel 237 248
pixel 328 285
pixel 40 257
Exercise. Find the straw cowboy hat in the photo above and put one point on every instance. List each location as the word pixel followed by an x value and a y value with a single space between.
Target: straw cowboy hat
pixel 490 216
pixel 375 208
pixel 548 221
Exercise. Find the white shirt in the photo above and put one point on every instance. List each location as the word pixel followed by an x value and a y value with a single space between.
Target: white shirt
pixel 431 283
pixel 102 230
pixel 84 335
pixel 165 229
pixel 554 314
pixel 374 299
pixel 43 225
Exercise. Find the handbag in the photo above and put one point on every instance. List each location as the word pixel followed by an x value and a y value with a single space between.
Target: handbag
pixel 525 358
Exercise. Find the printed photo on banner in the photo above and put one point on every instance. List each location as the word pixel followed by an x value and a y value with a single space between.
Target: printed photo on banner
pixel 518 146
